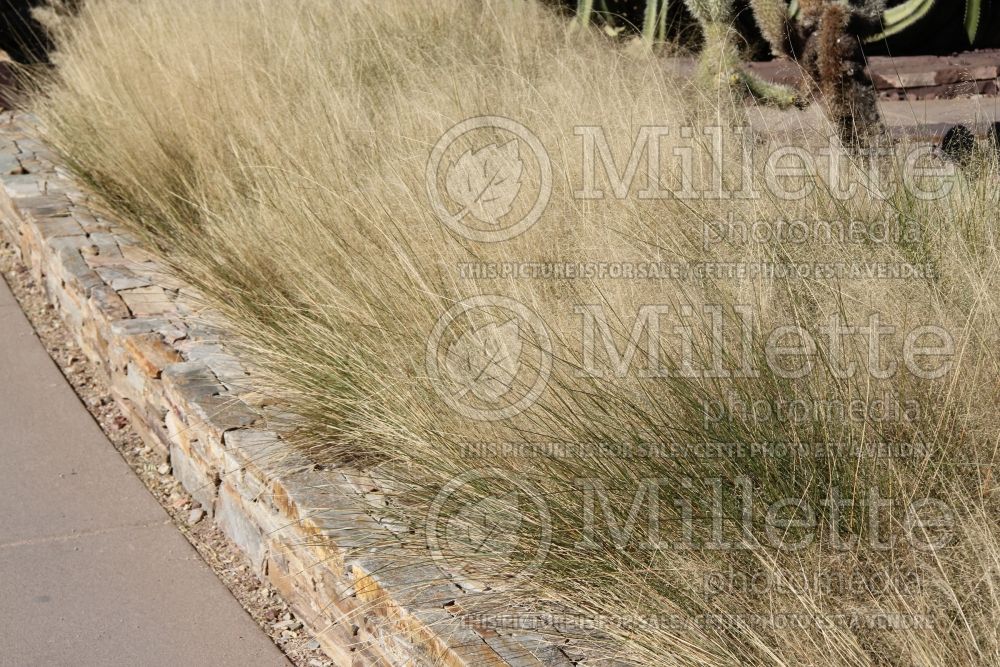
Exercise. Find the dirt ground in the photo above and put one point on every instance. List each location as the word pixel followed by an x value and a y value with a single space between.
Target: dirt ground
pixel 230 564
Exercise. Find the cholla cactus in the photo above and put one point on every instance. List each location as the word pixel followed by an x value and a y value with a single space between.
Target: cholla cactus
pixel 712 11
pixel 719 57
pixel 897 19
pixel 823 36
pixel 827 37
pixel 772 19
pixel 720 62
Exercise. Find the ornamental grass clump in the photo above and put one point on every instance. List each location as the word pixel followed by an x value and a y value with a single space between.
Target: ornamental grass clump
pixel 730 408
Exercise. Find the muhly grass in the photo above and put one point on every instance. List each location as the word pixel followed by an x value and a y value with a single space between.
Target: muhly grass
pixel 274 154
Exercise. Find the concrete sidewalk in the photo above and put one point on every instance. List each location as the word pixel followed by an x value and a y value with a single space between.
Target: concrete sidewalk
pixel 92 571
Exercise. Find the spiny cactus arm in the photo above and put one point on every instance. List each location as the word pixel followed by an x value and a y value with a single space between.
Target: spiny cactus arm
pixel 711 11
pixel 772 19
pixel 662 29
pixel 649 22
pixel 909 10
pixel 897 19
pixel 973 12
pixel 584 8
pixel 719 56
pixel 772 94
pixel 719 63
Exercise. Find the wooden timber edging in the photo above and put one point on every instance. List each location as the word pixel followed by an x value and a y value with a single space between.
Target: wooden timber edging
pixel 909 78
pixel 913 77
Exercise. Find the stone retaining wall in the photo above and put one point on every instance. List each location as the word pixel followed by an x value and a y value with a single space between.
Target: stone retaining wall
pixel 195 404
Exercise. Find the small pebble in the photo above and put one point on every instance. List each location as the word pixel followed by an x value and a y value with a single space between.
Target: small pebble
pixel 289 624
pixel 163 468
pixel 196 515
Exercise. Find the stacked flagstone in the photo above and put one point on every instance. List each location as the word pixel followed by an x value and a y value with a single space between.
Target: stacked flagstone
pixel 196 405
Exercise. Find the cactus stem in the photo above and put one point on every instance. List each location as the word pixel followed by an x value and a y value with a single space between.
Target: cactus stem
pixel 769 93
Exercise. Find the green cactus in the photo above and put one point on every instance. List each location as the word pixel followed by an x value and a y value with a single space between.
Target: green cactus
pixel 824 36
pixel 973 13
pixel 712 11
pixel 896 20
pixel 654 21
pixel 719 63
pixel 772 19
pixel 661 33
pixel 899 18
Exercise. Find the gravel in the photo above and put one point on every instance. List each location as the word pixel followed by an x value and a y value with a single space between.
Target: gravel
pixel 230 564
pixel 196 515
